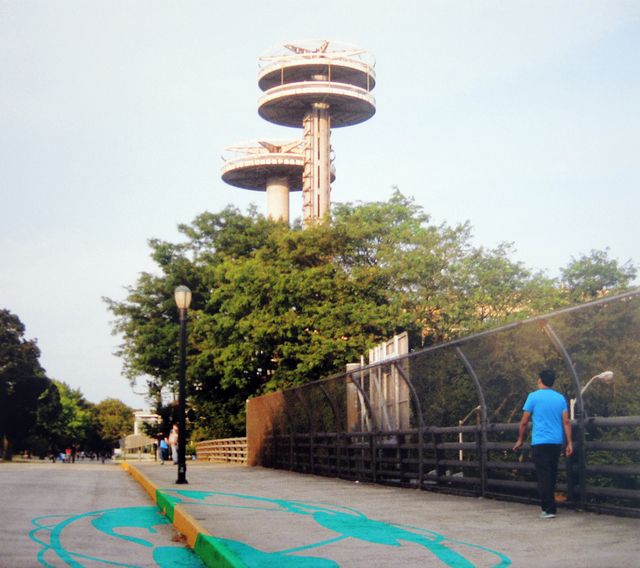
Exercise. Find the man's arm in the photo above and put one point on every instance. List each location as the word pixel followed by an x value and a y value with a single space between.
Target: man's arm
pixel 522 430
pixel 566 424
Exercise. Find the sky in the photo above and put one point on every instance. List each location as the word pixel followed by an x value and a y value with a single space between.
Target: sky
pixel 520 117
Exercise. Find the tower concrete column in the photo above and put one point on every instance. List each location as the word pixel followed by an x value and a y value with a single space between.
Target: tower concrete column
pixel 316 188
pixel 278 198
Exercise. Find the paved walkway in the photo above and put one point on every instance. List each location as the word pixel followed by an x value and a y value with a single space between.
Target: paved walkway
pixel 85 514
pixel 241 516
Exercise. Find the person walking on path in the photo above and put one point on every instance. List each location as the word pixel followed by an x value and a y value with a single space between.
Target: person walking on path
pixel 163 449
pixel 173 443
pixel 550 420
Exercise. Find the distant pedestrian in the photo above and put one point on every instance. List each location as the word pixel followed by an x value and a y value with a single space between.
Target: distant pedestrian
pixel 164 450
pixel 173 443
pixel 550 420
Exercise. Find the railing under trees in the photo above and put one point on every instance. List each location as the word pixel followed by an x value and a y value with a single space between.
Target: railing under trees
pixel 227 450
pixel 445 418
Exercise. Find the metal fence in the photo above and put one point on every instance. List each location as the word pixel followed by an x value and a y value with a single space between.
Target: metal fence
pixel 445 418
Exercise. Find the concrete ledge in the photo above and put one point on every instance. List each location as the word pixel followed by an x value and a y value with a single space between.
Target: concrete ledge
pixel 211 551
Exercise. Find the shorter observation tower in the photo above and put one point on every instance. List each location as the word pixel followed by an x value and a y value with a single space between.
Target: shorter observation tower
pixel 275 167
pixel 316 85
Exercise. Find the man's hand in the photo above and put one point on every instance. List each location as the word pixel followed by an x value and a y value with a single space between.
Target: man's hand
pixel 522 430
pixel 569 449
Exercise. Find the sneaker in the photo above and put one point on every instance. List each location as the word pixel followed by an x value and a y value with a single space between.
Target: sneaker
pixel 545 515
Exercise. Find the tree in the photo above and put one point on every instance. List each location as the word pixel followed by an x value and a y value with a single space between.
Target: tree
pixel 114 421
pixel 22 383
pixel 274 306
pixel 45 439
pixel 591 276
pixel 75 424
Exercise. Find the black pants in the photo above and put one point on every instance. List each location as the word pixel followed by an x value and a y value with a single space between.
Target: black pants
pixel 545 458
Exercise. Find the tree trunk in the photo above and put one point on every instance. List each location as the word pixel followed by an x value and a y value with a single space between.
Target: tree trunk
pixel 7 452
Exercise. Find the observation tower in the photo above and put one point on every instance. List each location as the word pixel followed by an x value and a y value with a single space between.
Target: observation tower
pixel 274 167
pixel 316 85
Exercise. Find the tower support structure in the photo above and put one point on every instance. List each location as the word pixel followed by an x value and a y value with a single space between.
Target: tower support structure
pixel 315 85
pixel 316 177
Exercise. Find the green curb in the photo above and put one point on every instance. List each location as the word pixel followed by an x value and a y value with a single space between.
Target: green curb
pixel 211 550
pixel 215 554
pixel 166 504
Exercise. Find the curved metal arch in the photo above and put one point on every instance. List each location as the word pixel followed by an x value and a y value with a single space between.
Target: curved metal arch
pixel 334 411
pixel 412 389
pixel 582 480
pixel 476 383
pixel 557 343
pixel 421 426
pixel 365 399
pixel 483 418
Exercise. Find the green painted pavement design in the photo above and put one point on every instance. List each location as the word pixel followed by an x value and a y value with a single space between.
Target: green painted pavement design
pixel 344 522
pixel 51 529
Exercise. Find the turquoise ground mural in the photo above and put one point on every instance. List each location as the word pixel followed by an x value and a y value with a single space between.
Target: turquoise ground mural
pixel 340 524
pixel 63 538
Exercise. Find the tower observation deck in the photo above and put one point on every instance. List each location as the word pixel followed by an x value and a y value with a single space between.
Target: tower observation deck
pixel 314 85
pixel 274 167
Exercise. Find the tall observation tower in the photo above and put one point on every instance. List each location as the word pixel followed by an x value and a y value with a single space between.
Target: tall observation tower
pixel 314 85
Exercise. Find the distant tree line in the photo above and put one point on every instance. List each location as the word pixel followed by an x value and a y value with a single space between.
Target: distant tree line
pixel 41 416
pixel 276 306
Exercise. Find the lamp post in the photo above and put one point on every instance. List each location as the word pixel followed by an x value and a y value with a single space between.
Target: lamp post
pixel 182 296
pixel 605 377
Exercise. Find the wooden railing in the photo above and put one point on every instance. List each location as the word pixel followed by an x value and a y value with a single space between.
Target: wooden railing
pixel 228 450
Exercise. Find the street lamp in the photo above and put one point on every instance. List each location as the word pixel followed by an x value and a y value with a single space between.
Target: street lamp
pixel 182 296
pixel 605 377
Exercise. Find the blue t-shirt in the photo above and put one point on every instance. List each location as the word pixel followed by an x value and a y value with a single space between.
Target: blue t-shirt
pixel 546 407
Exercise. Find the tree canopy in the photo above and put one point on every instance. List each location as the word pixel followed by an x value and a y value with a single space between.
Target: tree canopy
pixel 43 416
pixel 22 383
pixel 114 420
pixel 275 306
pixel 590 276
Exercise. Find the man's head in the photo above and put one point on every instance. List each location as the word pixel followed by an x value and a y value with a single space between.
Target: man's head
pixel 547 377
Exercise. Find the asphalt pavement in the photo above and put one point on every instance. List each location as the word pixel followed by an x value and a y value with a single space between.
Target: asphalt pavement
pixel 85 514
pixel 244 516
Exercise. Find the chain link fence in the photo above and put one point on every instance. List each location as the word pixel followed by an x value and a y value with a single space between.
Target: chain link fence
pixel 445 418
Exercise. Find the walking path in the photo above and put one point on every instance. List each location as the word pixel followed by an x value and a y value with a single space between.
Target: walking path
pixel 241 516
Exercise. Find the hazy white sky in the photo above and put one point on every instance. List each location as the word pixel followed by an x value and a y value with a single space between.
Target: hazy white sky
pixel 522 117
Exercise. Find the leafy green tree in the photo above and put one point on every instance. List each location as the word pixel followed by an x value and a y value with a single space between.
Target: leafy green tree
pixel 44 440
pixel 591 276
pixel 114 421
pixel 444 286
pixel 275 306
pixel 22 383
pixel 75 424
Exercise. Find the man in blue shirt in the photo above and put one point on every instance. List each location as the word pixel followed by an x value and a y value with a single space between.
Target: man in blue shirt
pixel 550 420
